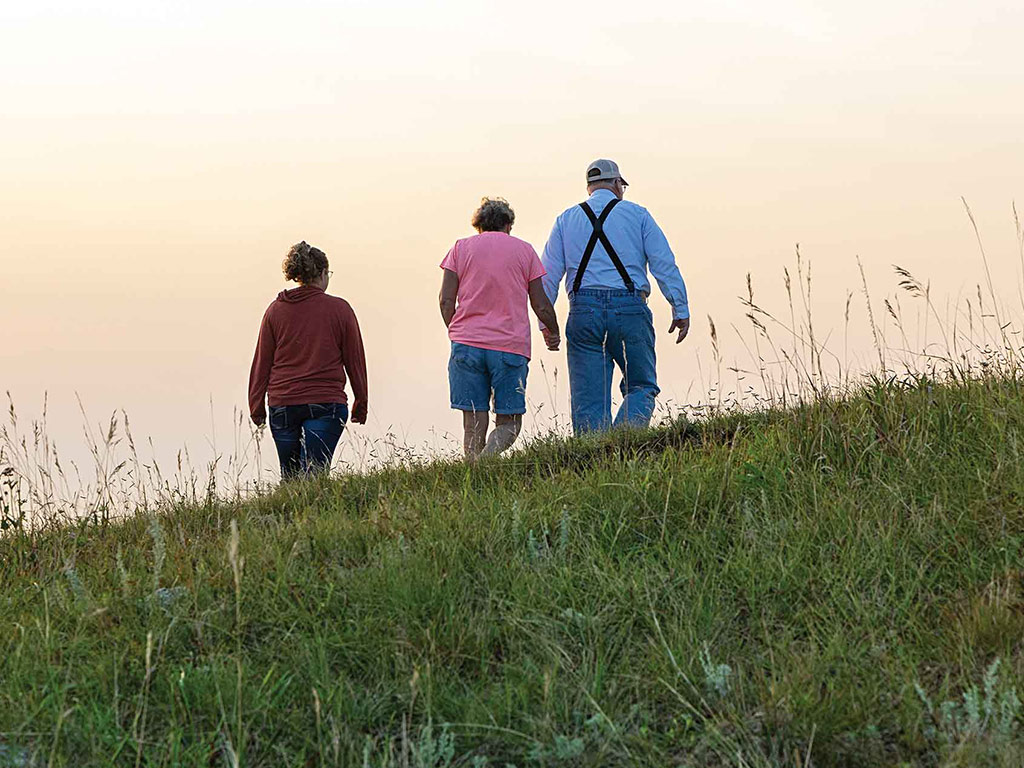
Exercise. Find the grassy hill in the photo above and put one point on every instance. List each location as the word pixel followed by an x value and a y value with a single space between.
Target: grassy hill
pixel 838 584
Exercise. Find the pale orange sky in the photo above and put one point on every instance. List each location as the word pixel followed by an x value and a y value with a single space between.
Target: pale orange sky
pixel 157 161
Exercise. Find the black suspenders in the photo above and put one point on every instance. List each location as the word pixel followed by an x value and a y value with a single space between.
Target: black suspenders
pixel 599 234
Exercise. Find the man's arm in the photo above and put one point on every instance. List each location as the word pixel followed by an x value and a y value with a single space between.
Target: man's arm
pixel 663 266
pixel 259 373
pixel 449 292
pixel 553 260
pixel 545 313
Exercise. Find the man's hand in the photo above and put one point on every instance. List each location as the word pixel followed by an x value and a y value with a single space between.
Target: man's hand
pixel 359 413
pixel 551 339
pixel 683 324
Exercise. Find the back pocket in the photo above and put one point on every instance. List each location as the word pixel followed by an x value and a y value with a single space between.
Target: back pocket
pixel 513 360
pixel 468 358
pixel 279 417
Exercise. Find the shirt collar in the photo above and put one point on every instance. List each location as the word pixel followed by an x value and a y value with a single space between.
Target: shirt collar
pixel 602 193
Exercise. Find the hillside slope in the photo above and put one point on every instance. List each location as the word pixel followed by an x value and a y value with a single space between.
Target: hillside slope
pixel 794 587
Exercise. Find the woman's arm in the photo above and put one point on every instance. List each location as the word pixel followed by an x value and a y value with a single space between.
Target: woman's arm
pixel 545 312
pixel 449 293
pixel 259 373
pixel 354 357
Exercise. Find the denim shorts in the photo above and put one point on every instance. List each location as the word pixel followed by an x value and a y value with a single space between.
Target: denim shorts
pixel 474 374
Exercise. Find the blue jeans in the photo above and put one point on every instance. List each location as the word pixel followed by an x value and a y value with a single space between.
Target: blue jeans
pixel 306 436
pixel 475 373
pixel 605 329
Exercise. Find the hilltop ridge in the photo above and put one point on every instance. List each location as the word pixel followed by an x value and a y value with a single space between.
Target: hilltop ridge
pixel 801 586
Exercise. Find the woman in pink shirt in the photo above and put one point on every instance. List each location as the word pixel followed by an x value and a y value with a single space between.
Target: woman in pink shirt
pixel 488 280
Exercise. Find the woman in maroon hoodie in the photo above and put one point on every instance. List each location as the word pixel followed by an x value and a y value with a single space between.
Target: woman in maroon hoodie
pixel 308 342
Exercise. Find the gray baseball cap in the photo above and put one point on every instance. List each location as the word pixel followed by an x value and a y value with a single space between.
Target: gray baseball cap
pixel 603 170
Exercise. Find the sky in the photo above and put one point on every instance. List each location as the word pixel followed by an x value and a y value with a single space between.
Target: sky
pixel 158 159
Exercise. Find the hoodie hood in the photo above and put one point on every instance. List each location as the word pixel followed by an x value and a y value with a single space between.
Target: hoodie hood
pixel 296 295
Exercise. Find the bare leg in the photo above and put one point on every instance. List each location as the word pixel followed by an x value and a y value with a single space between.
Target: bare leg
pixel 506 430
pixel 475 425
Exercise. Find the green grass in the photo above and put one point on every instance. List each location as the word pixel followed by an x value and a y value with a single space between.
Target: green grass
pixel 573 604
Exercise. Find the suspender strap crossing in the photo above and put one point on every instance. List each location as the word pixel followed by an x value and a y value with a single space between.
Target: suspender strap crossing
pixel 599 234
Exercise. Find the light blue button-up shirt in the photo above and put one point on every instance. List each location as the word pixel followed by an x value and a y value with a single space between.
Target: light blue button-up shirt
pixel 636 238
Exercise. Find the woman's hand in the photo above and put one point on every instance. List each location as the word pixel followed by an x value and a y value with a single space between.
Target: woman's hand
pixel 359 410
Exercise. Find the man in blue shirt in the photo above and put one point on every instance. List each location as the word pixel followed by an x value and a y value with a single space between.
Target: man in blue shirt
pixel 604 247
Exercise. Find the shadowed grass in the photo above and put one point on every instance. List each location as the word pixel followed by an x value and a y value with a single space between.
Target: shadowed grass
pixel 755 589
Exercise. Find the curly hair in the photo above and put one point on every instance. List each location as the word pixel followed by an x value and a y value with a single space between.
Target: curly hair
pixel 493 215
pixel 304 263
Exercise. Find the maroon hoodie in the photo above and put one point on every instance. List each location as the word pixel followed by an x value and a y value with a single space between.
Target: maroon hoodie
pixel 308 341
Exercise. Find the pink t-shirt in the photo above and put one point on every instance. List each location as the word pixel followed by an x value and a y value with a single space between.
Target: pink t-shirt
pixel 494 271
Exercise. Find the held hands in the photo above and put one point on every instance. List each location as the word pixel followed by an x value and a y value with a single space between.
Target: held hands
pixel 551 339
pixel 683 324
